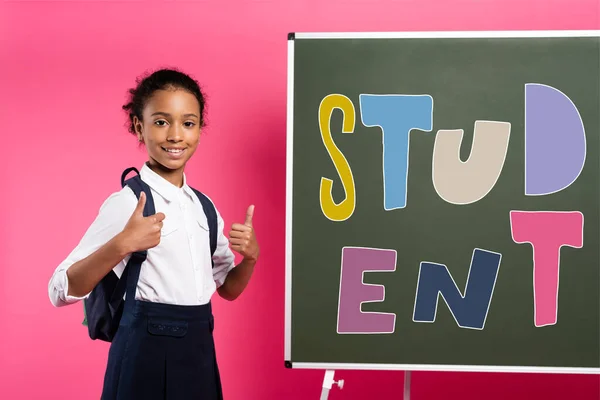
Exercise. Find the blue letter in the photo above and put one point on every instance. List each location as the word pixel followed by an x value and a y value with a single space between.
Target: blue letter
pixel 396 115
pixel 470 310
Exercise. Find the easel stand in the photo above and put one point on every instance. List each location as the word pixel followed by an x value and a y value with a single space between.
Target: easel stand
pixel 328 383
pixel 406 385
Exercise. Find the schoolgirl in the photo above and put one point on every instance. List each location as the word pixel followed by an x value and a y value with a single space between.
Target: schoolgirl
pixel 163 348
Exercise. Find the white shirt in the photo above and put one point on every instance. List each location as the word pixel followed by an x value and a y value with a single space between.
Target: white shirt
pixel 178 270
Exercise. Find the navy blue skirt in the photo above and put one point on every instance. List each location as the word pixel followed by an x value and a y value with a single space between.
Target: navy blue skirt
pixel 164 352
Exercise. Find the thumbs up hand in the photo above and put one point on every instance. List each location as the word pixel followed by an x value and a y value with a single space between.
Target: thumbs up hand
pixel 242 238
pixel 142 233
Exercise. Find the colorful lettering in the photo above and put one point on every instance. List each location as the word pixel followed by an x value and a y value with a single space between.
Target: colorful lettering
pixel 469 311
pixel 547 232
pixel 459 182
pixel 344 209
pixel 354 292
pixel 396 115
pixel 555 144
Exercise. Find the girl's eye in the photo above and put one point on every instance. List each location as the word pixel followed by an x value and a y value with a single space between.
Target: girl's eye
pixel 189 124
pixel 160 122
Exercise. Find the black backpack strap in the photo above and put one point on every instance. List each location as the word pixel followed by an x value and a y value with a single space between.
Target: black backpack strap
pixel 211 216
pixel 126 172
pixel 129 285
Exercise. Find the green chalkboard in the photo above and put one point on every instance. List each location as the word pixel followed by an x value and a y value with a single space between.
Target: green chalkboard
pixel 377 269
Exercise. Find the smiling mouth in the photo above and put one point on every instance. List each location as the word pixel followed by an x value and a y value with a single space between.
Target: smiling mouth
pixel 173 151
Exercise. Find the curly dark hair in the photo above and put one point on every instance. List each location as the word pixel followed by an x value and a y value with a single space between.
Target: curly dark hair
pixel 161 79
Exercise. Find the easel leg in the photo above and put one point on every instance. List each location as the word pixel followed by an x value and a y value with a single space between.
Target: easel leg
pixel 406 385
pixel 327 383
pixel 324 394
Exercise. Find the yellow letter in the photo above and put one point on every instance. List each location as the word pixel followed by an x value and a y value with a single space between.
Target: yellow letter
pixel 343 210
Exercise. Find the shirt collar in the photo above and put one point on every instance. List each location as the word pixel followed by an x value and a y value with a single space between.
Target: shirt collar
pixel 161 186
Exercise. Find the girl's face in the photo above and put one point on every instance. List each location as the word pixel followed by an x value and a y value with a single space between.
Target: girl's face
pixel 170 130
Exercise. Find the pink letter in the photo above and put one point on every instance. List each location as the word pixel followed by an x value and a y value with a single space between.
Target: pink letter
pixel 547 232
pixel 353 292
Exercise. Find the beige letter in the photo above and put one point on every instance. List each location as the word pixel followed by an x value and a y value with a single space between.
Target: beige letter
pixel 460 182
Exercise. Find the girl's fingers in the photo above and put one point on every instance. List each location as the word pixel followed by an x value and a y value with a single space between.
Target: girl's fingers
pixel 241 235
pixel 241 228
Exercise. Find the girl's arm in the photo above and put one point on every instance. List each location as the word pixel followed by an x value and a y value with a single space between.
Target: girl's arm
pixel 85 274
pixel 243 240
pixel 140 233
pixel 237 279
pixel 119 229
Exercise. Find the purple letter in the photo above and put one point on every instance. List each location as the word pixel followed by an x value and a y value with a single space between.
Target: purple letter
pixel 353 292
pixel 554 140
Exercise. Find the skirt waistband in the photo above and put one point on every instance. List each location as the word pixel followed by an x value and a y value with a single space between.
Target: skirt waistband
pixel 161 310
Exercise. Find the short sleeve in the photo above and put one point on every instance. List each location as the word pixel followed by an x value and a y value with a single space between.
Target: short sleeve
pixel 223 258
pixel 111 219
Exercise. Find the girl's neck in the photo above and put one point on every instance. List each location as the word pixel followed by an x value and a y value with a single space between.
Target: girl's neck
pixel 175 177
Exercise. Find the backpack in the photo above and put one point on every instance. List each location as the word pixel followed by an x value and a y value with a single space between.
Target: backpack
pixel 104 306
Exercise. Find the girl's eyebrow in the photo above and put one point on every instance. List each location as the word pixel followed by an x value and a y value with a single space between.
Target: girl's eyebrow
pixel 168 115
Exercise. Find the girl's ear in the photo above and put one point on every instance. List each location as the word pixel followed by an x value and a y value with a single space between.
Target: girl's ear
pixel 137 125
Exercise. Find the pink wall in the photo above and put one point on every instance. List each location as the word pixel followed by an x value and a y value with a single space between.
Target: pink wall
pixel 65 68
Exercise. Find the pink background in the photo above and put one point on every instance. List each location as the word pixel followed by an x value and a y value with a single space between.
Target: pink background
pixel 65 68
